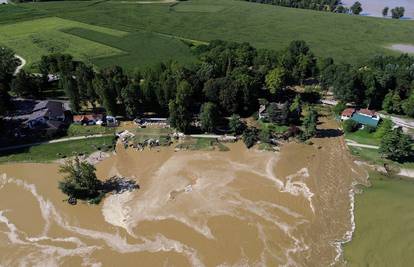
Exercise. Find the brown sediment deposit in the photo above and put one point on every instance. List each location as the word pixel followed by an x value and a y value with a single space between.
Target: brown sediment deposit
pixel 193 208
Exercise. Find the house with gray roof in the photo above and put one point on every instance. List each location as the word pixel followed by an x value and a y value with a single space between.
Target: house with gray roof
pixel 46 113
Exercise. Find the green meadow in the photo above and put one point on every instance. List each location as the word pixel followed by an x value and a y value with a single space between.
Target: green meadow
pixel 54 151
pixel 384 217
pixel 134 34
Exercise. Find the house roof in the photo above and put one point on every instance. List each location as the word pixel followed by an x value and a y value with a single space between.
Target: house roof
pixel 348 112
pixel 37 114
pixel 365 120
pixel 53 108
pixel 367 112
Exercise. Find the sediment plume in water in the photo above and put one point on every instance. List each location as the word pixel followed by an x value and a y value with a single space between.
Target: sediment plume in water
pixel 193 208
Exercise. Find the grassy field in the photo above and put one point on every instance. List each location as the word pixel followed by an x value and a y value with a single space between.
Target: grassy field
pixel 373 156
pixel 140 48
pixel 204 144
pixel 363 137
pixel 80 130
pixel 50 152
pixel 344 37
pixel 95 30
pixel 384 216
pixel 34 38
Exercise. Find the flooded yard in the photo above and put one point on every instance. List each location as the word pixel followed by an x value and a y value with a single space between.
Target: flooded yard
pixel 193 208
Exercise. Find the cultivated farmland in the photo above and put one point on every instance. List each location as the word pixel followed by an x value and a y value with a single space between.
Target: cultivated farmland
pixel 155 31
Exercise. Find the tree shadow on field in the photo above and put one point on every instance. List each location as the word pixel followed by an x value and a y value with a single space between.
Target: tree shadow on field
pixel 328 133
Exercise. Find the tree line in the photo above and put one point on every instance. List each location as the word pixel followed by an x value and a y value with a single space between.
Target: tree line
pixel 382 83
pixel 320 5
pixel 396 13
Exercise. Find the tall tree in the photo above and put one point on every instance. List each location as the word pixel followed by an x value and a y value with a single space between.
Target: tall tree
pixel 236 125
pixel 385 11
pixel 397 12
pixel 396 145
pixel 80 180
pixel 276 80
pixel 84 80
pixel 208 116
pixel 310 123
pixel 180 108
pixel 408 105
pixel 8 65
pixel 25 85
pixel 68 84
pixel 130 98
pixel 356 8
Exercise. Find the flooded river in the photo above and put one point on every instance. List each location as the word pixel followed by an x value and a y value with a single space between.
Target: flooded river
pixel 194 208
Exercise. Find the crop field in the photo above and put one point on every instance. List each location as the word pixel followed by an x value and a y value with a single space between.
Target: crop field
pixel 34 38
pixel 155 30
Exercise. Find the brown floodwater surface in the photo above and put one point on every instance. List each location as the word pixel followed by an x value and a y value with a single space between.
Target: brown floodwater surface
pixel 193 208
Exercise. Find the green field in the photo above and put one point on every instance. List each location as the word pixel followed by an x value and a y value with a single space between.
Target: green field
pixel 363 137
pixel 50 152
pixel 34 38
pixel 384 217
pixel 155 30
pixel 82 130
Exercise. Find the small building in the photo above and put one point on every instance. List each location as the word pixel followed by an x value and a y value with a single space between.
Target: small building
pixel 364 117
pixel 347 113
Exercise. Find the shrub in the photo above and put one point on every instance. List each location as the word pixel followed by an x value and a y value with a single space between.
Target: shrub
pixel 250 136
pixel 350 126
pixel 339 108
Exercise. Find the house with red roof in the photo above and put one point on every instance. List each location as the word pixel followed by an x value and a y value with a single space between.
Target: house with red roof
pixel 365 117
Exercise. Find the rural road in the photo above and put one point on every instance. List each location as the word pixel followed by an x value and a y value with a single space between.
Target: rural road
pixel 403 122
pixel 19 68
pixel 53 141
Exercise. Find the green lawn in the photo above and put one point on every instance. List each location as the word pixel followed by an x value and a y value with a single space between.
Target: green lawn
pixel 50 152
pixel 363 137
pixel 384 216
pixel 373 156
pixel 81 130
pixel 343 37
pixel 273 127
pixel 161 134
pixel 206 144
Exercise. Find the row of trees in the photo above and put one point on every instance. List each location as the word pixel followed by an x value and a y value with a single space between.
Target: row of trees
pixel 396 13
pixel 320 5
pixel 384 82
pixel 229 79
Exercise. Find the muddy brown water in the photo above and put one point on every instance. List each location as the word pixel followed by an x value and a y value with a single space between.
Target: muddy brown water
pixel 236 208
